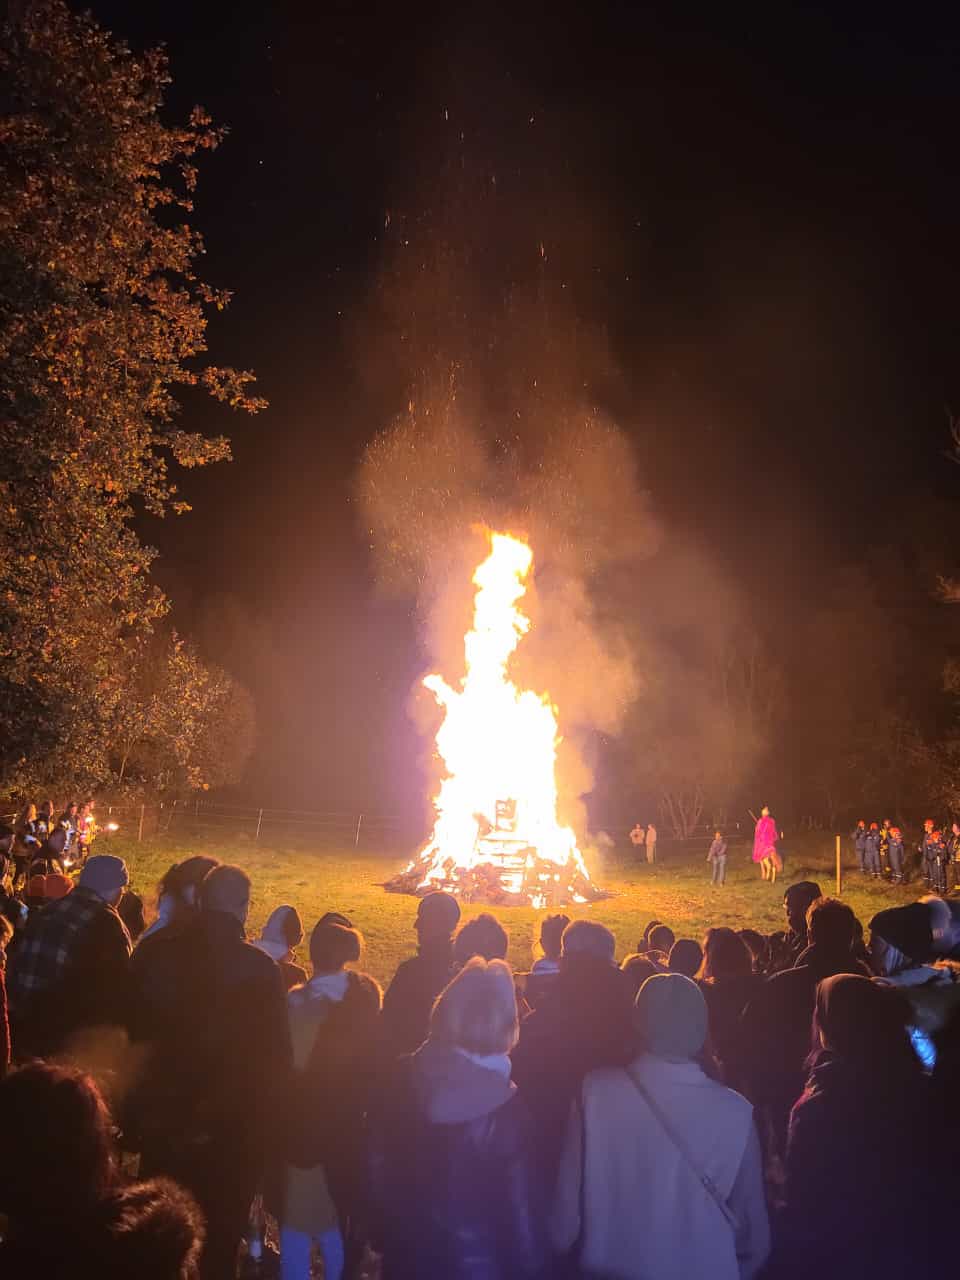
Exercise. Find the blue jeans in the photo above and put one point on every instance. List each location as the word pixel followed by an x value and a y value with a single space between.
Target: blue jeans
pixel 295 1249
pixel 719 870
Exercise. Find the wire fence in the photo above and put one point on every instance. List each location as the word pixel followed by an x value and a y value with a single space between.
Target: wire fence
pixel 362 831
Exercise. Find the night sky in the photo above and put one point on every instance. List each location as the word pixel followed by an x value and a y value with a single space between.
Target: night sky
pixel 770 199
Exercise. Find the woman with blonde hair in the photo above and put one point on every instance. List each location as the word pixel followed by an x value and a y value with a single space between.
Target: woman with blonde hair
pixel 455 1167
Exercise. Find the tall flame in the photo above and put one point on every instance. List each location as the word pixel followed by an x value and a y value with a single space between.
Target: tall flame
pixel 499 746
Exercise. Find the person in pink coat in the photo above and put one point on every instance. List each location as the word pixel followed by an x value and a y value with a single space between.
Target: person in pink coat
pixel 765 846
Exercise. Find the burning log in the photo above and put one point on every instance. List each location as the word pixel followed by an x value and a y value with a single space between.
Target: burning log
pixel 496 837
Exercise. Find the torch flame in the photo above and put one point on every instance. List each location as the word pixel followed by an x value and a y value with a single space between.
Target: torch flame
pixel 499 746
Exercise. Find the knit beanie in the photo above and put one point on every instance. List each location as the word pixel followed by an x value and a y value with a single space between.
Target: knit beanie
pixel 906 928
pixel 670 1016
pixel 104 874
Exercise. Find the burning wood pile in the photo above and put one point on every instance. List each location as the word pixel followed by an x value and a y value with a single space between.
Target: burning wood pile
pixel 496 837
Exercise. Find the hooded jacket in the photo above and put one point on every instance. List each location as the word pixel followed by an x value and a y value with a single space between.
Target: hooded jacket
pixel 454 1172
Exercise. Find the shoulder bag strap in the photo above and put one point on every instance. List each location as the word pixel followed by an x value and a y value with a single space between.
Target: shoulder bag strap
pixel 703 1178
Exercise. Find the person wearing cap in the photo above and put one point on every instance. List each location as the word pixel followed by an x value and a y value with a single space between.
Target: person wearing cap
pixel 895 854
pixel 924 851
pixel 661 1173
pixel 871 853
pixel 859 838
pixel 70 971
pixel 419 980
pixel 281 935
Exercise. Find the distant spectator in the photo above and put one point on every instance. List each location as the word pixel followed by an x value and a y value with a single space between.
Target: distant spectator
pixel 418 981
pixel 584 1024
pixel 334 1024
pixel 661 1173
pixel 728 983
pixel 785 948
pixel 638 839
pixel 759 948
pixel 651 844
pixel 281 936
pixel 865 1114
pixel 45 819
pixel 130 911
pixel 482 936
pixel 637 969
pixel 686 957
pixel 210 1012
pixel 70 970
pixel 178 895
pixel 717 857
pixel 26 841
pixel 68 1215
pixel 459 1194
pixel 67 823
pixel 661 938
pixel 6 933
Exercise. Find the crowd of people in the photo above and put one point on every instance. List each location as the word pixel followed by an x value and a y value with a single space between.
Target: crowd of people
pixel 881 853
pixel 734 1106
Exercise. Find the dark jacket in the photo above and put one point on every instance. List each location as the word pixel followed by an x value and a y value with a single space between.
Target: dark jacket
pixel 411 995
pixel 455 1174
pixel 68 971
pixel 330 1094
pixel 862 1178
pixel 210 1012
pixel 726 1000
pixel 585 1022
pixel 777 1031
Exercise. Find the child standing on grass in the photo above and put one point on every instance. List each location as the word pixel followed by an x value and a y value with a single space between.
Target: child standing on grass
pixel 718 856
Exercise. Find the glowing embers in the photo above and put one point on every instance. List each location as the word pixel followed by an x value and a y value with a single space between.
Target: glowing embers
pixel 496 836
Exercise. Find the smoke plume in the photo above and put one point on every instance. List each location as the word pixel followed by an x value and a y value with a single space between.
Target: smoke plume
pixel 509 424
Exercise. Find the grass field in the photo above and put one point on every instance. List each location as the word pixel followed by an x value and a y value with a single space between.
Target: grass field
pixel 677 891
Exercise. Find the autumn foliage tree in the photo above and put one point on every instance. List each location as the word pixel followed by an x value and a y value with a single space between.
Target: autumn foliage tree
pixel 102 323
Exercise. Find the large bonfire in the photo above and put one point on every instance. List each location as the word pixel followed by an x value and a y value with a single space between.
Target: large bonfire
pixel 496 836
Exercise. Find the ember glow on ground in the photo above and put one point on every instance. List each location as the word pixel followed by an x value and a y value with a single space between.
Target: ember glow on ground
pixel 316 878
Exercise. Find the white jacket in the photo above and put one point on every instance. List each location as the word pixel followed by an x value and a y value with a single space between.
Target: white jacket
pixel 645 1214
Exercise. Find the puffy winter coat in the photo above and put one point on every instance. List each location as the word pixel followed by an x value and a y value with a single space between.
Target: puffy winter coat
pixel 455 1175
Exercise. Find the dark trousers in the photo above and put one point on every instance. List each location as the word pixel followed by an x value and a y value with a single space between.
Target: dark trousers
pixel 223 1182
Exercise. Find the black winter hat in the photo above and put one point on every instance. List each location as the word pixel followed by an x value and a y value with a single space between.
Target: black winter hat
pixel 906 928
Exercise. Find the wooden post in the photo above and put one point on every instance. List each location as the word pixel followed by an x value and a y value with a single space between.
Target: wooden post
pixel 140 828
pixel 259 824
pixel 839 871
pixel 356 838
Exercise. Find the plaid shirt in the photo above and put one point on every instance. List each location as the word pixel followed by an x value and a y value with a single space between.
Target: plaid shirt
pixel 54 933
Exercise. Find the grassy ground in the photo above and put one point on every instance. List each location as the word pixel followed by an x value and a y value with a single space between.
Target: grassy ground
pixel 677 891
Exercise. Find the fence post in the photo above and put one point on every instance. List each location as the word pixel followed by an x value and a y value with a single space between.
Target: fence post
pixel 259 824
pixel 140 828
pixel 173 813
pixel 356 838
pixel 839 871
